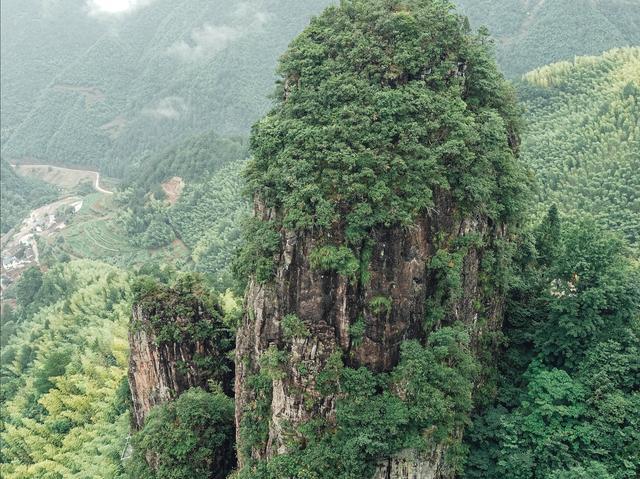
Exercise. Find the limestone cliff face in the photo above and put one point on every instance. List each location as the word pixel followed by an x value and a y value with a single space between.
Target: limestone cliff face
pixel 330 304
pixel 177 342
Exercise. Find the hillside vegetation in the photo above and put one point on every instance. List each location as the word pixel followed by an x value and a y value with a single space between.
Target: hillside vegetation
pixel 583 137
pixel 144 79
pixel 208 212
pixel 100 91
pixel 568 401
pixel 64 393
pixel 394 158
pixel 38 41
pixel 532 33
pixel 208 218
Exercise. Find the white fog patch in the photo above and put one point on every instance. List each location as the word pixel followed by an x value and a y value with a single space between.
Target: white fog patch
pixel 168 108
pixel 208 40
pixel 113 7
pixel 205 41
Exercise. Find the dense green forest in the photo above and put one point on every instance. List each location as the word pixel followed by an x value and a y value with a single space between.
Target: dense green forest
pixel 568 398
pixel 583 137
pixel 354 142
pixel 193 160
pixel 64 393
pixel 532 33
pixel 207 215
pixel 18 195
pixel 36 45
pixel 141 81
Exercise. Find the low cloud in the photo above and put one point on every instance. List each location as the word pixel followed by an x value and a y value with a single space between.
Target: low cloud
pixel 115 7
pixel 208 40
pixel 168 108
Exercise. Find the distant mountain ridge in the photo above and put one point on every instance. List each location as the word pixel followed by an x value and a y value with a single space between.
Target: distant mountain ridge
pixel 84 90
pixel 172 69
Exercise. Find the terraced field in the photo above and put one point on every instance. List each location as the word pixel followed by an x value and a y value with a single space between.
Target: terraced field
pixel 95 233
pixel 99 238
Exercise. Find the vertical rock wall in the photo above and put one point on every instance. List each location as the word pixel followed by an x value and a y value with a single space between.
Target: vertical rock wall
pixel 177 342
pixel 329 304
pixel 160 372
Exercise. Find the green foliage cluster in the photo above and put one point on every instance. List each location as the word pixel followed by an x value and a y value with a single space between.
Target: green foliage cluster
pixel 273 362
pixel 64 413
pixel 35 291
pixel 376 414
pixel 380 104
pixel 192 159
pixel 332 258
pixel 446 270
pixel 294 328
pixel 20 194
pixel 209 218
pixel 380 305
pixel 186 438
pixel 147 225
pixel 254 428
pixel 257 255
pixel 356 331
pixel 209 212
pixel 583 137
pixel 569 397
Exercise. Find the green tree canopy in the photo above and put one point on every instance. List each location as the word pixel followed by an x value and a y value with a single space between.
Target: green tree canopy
pixel 381 103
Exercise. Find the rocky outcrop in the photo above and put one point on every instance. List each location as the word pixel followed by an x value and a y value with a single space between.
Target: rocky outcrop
pixel 410 465
pixel 391 303
pixel 177 342
pixel 384 180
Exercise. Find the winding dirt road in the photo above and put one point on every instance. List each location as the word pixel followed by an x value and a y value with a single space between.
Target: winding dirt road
pixel 95 174
pixel 97 185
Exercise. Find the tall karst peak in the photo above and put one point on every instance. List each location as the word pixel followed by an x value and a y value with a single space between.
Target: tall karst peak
pixel 385 184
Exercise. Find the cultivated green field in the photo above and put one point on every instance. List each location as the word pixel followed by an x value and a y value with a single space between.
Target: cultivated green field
pixel 94 233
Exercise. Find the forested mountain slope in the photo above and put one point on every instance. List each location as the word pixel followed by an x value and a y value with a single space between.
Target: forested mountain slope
pixel 150 77
pixel 193 159
pixel 205 211
pixel 583 137
pixel 373 334
pixel 39 40
pixel 531 33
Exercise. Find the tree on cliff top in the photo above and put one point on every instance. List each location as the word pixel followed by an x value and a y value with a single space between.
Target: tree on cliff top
pixel 382 104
